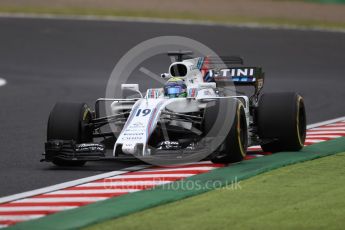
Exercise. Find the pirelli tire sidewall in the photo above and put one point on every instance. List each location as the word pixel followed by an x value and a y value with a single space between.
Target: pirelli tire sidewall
pixel 281 119
pixel 234 146
pixel 237 140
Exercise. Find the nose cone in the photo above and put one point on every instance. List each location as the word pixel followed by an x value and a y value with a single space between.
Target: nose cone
pixel 129 148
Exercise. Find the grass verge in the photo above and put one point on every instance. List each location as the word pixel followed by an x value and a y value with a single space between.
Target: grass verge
pixel 191 16
pixel 308 195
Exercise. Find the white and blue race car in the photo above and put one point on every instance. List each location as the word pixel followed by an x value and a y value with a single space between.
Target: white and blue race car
pixel 198 114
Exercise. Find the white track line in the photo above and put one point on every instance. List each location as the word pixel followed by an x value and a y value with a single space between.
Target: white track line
pixel 325 132
pixel 336 124
pixel 314 140
pixel 109 183
pixel 309 136
pixel 152 176
pixel 191 163
pixel 329 128
pixel 257 155
pixel 325 122
pixel 91 191
pixel 167 21
pixel 21 217
pixel 204 168
pixel 2 82
pixel 36 208
pixel 60 199
pixel 69 184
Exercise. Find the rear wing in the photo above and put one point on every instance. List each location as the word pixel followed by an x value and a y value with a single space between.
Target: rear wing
pixel 224 60
pixel 238 76
pixel 221 69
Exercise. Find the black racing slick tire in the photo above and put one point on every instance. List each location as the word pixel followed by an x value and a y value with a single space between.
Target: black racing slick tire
pixel 281 121
pixel 68 121
pixel 234 146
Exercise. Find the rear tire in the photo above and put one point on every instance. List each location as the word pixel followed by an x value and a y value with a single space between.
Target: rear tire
pixel 67 121
pixel 234 147
pixel 282 119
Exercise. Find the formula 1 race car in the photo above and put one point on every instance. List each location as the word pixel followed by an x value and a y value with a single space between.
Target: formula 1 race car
pixel 194 116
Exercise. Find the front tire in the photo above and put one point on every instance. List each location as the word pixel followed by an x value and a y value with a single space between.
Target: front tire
pixel 68 121
pixel 281 122
pixel 234 147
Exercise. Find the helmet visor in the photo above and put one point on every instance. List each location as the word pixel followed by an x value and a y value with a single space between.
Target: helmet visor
pixel 174 90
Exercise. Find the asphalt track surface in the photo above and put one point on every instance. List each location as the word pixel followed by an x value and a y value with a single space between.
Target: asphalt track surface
pixel 44 61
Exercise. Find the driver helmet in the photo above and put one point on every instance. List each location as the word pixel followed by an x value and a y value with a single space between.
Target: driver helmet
pixel 175 87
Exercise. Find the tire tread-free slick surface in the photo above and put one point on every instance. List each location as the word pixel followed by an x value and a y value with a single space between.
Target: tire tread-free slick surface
pixel 281 117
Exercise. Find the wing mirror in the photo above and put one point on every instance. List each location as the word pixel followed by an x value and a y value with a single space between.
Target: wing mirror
pixel 165 75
